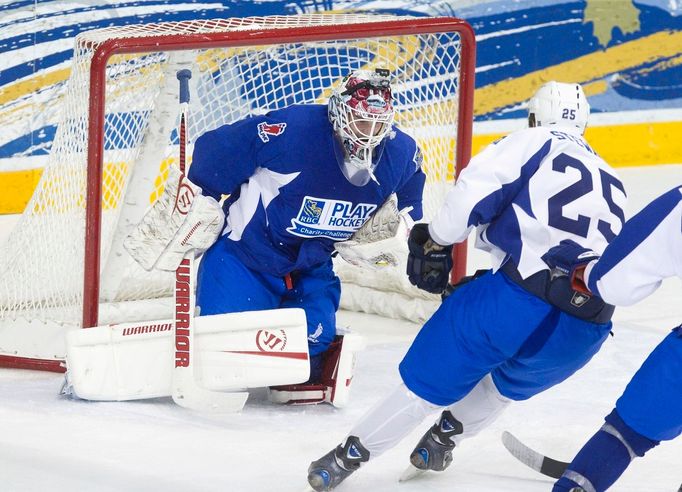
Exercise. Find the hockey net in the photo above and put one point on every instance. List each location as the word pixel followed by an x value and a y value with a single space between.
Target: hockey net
pixel 63 266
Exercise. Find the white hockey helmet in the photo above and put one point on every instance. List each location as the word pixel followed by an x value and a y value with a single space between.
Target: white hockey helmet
pixel 361 113
pixel 559 104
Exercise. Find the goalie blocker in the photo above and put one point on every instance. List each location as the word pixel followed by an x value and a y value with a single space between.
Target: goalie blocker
pixel 181 220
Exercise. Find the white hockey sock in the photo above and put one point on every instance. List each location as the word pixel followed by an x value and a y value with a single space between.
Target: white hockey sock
pixel 479 408
pixel 391 420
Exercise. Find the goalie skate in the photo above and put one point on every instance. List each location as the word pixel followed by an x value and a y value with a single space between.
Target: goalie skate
pixel 335 383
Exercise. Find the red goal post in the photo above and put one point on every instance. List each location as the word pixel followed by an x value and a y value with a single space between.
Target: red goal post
pixel 115 140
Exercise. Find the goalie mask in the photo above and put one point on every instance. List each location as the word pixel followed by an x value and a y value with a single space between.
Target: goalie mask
pixel 559 104
pixel 361 113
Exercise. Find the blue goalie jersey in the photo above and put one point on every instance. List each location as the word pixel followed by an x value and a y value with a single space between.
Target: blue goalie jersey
pixel 289 201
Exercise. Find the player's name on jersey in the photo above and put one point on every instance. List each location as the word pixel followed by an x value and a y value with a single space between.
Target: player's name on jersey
pixel 574 138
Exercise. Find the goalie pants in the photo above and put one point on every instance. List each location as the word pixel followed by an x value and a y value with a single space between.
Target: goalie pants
pixel 226 285
pixel 493 326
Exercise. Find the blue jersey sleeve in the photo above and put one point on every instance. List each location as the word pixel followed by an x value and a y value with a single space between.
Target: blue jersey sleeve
pixel 411 192
pixel 410 195
pixel 227 156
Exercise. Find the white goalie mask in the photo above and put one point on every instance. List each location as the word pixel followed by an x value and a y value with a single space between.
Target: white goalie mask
pixel 361 113
pixel 559 104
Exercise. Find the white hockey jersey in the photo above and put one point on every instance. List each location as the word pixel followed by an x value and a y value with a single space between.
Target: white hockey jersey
pixel 648 250
pixel 527 192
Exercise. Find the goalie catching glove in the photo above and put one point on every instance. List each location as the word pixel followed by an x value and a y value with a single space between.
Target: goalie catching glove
pixel 182 219
pixel 380 242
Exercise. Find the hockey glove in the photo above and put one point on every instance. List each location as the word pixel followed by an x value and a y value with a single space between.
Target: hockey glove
pixel 429 263
pixel 569 258
pixel 380 243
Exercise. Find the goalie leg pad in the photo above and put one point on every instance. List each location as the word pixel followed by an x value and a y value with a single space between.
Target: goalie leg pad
pixel 337 376
pixel 233 351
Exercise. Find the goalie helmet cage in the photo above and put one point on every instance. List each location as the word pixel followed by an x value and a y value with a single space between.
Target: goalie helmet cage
pixel 63 265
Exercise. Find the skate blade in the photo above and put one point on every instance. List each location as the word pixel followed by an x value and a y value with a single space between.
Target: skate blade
pixel 410 472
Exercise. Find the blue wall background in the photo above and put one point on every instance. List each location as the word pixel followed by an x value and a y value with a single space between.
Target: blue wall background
pixel 627 53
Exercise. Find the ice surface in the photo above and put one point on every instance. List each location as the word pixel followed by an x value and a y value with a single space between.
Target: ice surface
pixel 50 443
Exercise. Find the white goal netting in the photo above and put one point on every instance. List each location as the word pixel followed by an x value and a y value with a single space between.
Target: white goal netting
pixel 44 261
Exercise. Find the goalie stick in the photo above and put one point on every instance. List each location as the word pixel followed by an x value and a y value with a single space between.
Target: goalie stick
pixel 533 459
pixel 185 390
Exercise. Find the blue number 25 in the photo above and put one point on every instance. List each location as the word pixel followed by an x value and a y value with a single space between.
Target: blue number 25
pixel 583 186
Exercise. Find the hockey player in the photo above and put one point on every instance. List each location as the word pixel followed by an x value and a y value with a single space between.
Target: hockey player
pixel 299 180
pixel 648 250
pixel 513 331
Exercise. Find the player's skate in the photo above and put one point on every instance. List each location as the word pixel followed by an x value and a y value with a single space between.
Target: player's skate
pixel 434 449
pixel 335 466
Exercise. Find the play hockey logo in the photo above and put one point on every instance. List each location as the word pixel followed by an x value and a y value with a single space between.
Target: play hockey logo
pixel 267 130
pixel 333 219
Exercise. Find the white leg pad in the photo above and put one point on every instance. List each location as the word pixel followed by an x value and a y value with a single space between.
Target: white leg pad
pixel 233 351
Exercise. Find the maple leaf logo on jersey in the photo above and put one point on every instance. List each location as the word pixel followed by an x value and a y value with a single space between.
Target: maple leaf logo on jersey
pixel 267 130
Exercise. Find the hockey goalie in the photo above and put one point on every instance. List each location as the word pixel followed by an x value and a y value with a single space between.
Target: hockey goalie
pixel 300 183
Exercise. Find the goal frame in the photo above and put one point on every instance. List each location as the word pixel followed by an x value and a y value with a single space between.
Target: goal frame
pixel 109 48
pixel 91 312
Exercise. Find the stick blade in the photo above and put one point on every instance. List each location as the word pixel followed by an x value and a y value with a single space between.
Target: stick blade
pixel 188 394
pixel 531 458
